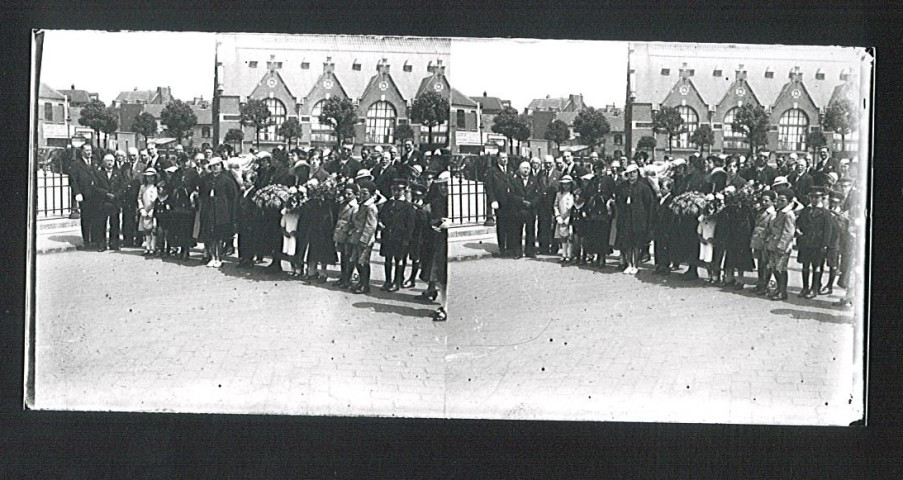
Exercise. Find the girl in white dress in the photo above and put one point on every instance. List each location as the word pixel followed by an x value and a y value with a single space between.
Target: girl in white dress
pixel 564 203
pixel 147 196
pixel 706 231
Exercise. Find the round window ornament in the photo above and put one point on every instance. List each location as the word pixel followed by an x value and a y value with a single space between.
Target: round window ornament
pixel 271 82
pixel 328 84
pixel 795 93
pixel 684 89
pixel 438 87
pixel 740 92
pixel 383 86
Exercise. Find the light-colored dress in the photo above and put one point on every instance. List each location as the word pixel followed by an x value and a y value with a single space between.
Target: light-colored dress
pixel 289 225
pixel 146 198
pixel 564 202
pixel 706 228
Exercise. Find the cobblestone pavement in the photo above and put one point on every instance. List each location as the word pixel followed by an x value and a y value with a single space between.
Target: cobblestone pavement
pixel 532 339
pixel 525 339
pixel 118 332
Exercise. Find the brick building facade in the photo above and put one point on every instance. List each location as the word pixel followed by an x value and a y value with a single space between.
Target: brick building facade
pixel 295 74
pixel 706 83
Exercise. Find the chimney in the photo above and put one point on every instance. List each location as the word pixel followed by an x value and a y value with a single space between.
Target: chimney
pixel 484 93
pixel 684 71
pixel 796 75
pixel 383 66
pixel 741 72
pixel 439 68
pixel 72 87
pixel 328 65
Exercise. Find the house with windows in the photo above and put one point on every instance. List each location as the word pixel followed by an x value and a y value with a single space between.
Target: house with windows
pixel 53 118
pixel 707 84
pixel 296 74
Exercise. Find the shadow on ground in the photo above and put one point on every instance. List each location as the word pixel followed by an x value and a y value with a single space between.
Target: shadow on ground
pixel 395 309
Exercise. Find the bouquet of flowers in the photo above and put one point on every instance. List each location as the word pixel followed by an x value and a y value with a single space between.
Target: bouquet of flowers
pixel 298 196
pixel 688 204
pixel 328 189
pixel 272 197
pixel 740 202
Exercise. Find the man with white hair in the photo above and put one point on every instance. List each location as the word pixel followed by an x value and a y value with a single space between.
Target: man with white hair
pixel 546 186
pixel 109 187
pixel 130 169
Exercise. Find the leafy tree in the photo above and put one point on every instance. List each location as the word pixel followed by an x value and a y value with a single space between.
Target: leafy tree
pixel 93 116
pixel 290 129
pixel 752 122
pixel 110 123
pixel 341 115
pixel 840 117
pixel 511 125
pixel 592 126
pixel 179 119
pixel 703 137
pixel 145 124
pixel 234 135
pixel 646 142
pixel 668 121
pixel 524 130
pixel 404 132
pixel 430 110
pixel 558 132
pixel 816 140
pixel 255 114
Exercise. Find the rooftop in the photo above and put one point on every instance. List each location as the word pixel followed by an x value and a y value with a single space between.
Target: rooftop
pixel 654 68
pixel 355 59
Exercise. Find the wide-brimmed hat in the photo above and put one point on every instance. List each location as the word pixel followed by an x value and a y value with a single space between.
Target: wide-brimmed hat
pixel 443 177
pixel 363 173
pixel 780 181
pixel 678 162
pixel 217 161
pixel 632 168
pixel 150 171
pixel 566 179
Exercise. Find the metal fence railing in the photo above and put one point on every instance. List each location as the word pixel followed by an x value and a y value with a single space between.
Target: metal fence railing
pixel 54 195
pixel 466 201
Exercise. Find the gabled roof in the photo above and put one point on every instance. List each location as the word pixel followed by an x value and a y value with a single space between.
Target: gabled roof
pixel 791 85
pixel 428 84
pixel 204 115
pixel 49 93
pixel 136 96
pixel 380 77
pixel 461 100
pixel 547 103
pixel 77 96
pixel 260 90
pixel 235 50
pixel 647 59
pixel 489 104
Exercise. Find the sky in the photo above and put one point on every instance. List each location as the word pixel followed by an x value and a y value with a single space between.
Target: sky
pixel 112 62
pixel 521 69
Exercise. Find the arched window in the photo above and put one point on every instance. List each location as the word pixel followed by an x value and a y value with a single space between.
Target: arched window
pixel 277 117
pixel 320 132
pixel 691 122
pixel 733 139
pixel 380 123
pixel 792 128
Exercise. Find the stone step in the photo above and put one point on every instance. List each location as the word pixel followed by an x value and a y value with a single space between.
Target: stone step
pixel 470 231
pixel 51 224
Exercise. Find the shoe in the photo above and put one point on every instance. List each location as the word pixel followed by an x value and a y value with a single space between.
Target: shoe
pixel 803 293
pixel 843 302
pixel 211 263
pixel 361 289
pixel 394 288
pixel 218 264
pixel 322 279
pixel 409 283
pixel 531 255
pixel 827 290
pixel 439 315
pixel 338 283
pixel 811 294
pixel 738 286
pixel 386 286
pixel 517 256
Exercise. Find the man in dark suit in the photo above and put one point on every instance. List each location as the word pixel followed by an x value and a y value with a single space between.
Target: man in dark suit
pixel 546 186
pixel 764 173
pixel 345 166
pixel 497 187
pixel 397 220
pixel 410 155
pixel 131 171
pixel 109 187
pixel 157 161
pixel 523 194
pixel 801 181
pixel 81 181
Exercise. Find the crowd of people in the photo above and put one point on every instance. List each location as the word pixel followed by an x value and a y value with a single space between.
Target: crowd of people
pixel 723 213
pixel 312 208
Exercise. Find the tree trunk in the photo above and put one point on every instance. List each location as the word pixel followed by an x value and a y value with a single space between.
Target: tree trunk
pixel 843 143
pixel 670 144
pixel 257 138
pixel 430 134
